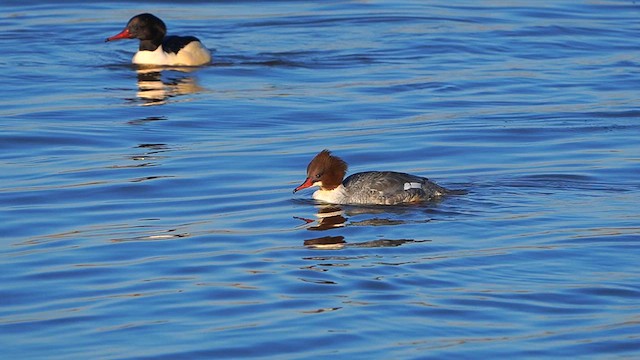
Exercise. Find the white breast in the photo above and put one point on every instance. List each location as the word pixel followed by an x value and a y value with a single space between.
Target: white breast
pixel 335 196
pixel 191 55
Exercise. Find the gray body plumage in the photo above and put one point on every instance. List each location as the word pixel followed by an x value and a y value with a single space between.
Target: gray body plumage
pixel 389 188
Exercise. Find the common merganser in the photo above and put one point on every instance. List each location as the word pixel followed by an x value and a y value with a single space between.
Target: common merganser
pixel 366 188
pixel 158 49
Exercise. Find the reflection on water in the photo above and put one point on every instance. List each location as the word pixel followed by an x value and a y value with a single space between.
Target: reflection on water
pixel 329 217
pixel 154 89
pixel 151 152
pixel 338 242
pixel 326 242
pixel 170 234
pixel 148 157
pixel 332 216
pixel 146 120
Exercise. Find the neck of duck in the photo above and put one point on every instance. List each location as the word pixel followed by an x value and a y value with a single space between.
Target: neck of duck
pixel 337 195
pixel 150 44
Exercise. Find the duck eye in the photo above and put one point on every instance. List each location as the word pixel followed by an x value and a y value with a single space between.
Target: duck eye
pixel 318 175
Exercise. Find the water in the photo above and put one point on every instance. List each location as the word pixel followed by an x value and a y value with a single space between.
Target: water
pixel 150 214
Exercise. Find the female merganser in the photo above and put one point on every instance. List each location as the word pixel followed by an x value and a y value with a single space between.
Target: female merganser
pixel 367 188
pixel 158 49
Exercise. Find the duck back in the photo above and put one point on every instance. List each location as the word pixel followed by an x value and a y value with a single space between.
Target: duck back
pixel 390 188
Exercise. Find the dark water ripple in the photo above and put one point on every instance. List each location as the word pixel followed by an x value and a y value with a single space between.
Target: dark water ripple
pixel 148 214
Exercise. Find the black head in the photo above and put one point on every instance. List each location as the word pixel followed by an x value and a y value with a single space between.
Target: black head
pixel 148 28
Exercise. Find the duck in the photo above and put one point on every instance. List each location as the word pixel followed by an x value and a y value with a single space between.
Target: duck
pixel 156 48
pixel 327 172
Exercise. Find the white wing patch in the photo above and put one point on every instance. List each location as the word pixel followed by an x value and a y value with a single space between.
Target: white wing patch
pixel 412 185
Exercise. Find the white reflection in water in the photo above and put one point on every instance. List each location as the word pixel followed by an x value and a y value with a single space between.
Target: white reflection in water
pixel 332 216
pixel 156 89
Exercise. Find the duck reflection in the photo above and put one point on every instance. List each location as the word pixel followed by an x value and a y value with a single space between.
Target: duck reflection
pixel 338 242
pixel 329 217
pixel 157 85
pixel 332 216
pixel 326 242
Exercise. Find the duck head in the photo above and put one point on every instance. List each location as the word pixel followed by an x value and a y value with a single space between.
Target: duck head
pixel 325 170
pixel 146 27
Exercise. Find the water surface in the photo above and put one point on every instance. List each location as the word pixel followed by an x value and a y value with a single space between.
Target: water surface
pixel 149 214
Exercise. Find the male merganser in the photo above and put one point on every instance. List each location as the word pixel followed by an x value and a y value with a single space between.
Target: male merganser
pixel 367 188
pixel 158 49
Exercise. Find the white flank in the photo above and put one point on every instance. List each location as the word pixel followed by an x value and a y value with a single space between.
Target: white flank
pixel 193 54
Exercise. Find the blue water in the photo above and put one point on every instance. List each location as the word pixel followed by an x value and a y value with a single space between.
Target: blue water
pixel 149 214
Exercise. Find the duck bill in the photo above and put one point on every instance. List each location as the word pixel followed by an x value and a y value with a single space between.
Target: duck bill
pixel 125 34
pixel 307 183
